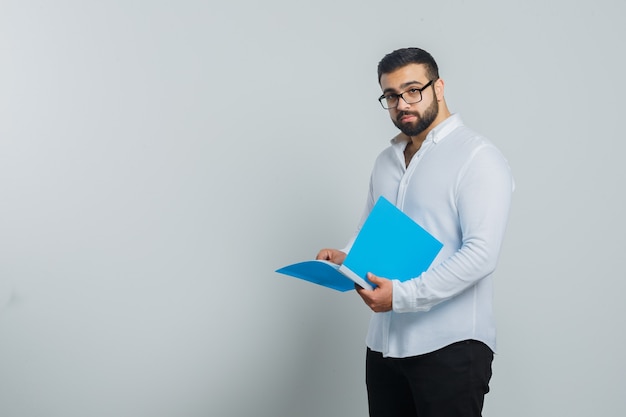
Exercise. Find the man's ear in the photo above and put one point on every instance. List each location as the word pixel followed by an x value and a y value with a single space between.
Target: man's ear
pixel 439 87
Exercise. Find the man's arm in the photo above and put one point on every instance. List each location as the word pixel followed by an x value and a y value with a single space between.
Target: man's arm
pixel 483 200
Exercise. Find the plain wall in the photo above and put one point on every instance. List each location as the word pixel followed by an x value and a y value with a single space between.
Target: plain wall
pixel 160 159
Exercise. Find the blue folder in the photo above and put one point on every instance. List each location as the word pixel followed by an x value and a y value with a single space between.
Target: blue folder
pixel 390 245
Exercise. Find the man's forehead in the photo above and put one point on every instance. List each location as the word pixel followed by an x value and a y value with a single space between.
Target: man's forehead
pixel 407 74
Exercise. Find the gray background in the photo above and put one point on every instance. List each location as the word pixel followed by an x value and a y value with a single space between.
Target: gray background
pixel 159 159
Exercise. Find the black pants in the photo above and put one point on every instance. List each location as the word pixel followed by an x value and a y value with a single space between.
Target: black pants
pixel 449 382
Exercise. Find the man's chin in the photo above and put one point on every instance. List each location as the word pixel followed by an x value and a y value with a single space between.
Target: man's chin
pixel 405 128
pixel 411 130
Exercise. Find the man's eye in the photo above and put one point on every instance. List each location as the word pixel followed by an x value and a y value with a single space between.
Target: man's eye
pixel 414 90
pixel 391 96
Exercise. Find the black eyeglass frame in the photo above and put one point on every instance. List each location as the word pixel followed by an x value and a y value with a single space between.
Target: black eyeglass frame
pixel 401 96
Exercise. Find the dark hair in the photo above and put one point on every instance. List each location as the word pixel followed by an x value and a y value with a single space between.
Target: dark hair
pixel 405 56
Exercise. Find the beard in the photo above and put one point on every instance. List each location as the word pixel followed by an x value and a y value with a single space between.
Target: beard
pixel 423 120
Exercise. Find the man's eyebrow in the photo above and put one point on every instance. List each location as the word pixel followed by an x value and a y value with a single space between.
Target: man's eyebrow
pixel 402 86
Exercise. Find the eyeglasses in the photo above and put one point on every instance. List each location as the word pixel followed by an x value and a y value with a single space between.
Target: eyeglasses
pixel 411 96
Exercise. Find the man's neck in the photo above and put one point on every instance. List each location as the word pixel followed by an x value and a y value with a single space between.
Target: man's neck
pixel 416 141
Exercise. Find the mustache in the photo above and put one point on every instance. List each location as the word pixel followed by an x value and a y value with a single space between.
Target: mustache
pixel 407 113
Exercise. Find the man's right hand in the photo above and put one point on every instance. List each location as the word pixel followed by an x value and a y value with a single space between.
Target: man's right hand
pixel 333 255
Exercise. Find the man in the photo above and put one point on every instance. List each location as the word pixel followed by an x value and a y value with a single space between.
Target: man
pixel 431 339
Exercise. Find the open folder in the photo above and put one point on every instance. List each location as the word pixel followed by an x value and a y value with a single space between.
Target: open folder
pixel 390 245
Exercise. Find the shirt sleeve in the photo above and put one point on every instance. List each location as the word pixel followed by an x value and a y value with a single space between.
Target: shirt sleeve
pixel 483 196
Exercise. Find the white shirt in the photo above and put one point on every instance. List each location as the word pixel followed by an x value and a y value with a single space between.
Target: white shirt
pixel 458 187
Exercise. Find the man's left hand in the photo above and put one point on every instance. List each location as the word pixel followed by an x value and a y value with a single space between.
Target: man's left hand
pixel 379 299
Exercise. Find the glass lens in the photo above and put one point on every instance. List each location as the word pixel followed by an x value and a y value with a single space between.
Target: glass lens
pixel 412 96
pixel 389 102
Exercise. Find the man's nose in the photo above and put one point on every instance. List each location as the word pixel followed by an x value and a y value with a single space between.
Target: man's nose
pixel 402 104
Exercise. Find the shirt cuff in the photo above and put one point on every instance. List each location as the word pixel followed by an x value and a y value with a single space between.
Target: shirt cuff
pixel 402 299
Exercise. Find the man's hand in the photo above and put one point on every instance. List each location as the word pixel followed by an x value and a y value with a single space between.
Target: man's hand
pixel 380 299
pixel 333 255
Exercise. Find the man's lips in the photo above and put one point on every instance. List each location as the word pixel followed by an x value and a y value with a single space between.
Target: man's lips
pixel 407 118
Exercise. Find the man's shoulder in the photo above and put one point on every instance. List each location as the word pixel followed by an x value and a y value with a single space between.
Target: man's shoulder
pixel 463 135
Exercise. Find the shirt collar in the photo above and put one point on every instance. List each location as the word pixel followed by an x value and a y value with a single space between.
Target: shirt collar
pixel 444 128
